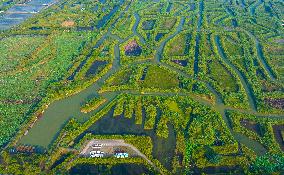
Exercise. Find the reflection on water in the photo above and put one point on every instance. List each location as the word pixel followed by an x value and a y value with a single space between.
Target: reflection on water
pixel 101 23
pixel 20 12
pixel 121 169
pixel 95 68
pixel 163 149
pixel 18 16
pixel 159 36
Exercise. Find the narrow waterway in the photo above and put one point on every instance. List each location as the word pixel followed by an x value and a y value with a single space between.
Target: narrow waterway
pixel 254 7
pixel 196 54
pixel 241 76
pixel 169 7
pixel 243 4
pixel 59 112
pixel 251 144
pixel 160 49
pixel 197 39
pixel 261 57
pixel 135 26
pixel 97 45
pixel 200 19
pixel 101 23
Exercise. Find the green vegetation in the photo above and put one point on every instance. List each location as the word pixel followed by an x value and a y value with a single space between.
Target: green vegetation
pixel 158 77
pixel 268 164
pixel 26 84
pixel 195 86
pixel 92 104
pixel 177 46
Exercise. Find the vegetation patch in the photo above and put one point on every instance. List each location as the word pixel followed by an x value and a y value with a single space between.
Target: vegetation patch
pixel 276 103
pixel 92 104
pixel 148 24
pixel 167 23
pixel 132 49
pixel 196 87
pixel 158 77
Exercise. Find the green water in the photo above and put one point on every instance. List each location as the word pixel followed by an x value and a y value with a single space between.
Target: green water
pixel 46 130
pixel 59 112
pixel 163 149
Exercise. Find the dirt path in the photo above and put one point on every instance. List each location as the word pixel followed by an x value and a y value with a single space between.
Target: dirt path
pixel 115 143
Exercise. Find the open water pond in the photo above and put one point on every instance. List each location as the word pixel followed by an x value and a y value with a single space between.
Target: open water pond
pixel 255 127
pixel 40 2
pixel 18 16
pixel 234 23
pixel 144 73
pixel 25 9
pixel 187 44
pixel 18 13
pixel 159 36
pixel 6 23
pixel 163 149
pixel 96 67
pixel 182 63
pixel 101 23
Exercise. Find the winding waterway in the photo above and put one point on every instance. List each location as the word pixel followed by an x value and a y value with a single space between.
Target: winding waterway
pixel 254 7
pixel 241 76
pixel 59 112
pixel 261 57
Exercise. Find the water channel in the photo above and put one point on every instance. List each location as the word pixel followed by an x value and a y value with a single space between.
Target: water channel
pixel 59 112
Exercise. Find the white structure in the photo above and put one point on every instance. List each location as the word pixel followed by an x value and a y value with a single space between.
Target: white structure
pixel 121 155
pixel 97 146
pixel 94 154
